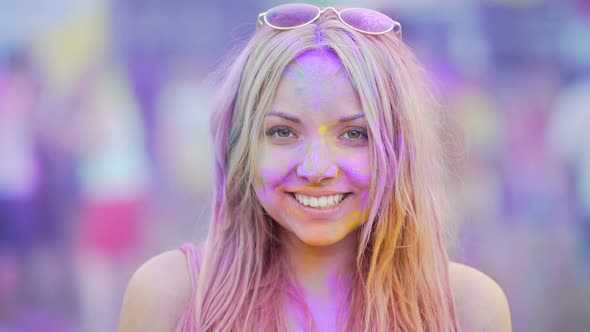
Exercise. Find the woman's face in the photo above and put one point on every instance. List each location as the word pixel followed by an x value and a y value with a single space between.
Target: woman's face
pixel 313 172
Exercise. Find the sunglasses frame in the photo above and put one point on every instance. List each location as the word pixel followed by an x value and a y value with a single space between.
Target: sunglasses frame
pixel 262 20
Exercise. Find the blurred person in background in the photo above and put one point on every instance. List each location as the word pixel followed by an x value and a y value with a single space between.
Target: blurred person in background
pixel 20 177
pixel 183 154
pixel 568 135
pixel 112 175
pixel 324 218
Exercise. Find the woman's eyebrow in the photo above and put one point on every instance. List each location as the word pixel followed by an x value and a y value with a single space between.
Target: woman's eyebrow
pixel 284 116
pixel 351 117
pixel 296 120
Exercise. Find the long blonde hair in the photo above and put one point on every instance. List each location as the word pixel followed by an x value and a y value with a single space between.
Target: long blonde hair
pixel 401 280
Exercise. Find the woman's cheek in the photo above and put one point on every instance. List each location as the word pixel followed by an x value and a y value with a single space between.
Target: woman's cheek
pixel 358 169
pixel 274 166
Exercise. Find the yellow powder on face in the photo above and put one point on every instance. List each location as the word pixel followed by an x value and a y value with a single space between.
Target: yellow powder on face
pixel 322 130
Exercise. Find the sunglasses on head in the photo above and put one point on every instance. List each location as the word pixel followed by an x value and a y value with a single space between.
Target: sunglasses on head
pixel 296 15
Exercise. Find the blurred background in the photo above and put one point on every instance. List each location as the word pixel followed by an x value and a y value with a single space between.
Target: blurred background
pixel 105 156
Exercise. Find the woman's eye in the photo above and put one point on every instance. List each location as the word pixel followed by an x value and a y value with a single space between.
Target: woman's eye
pixel 281 132
pixel 355 134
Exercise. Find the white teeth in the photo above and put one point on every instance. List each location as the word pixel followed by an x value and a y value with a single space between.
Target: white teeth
pixel 313 202
pixel 321 202
pixel 330 200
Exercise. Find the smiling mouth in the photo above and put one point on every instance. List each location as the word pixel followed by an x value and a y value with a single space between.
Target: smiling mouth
pixel 322 202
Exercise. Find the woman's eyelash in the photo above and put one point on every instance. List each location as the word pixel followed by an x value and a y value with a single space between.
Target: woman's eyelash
pixel 286 130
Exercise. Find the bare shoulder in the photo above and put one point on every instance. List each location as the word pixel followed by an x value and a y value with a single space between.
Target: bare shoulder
pixel 156 294
pixel 481 302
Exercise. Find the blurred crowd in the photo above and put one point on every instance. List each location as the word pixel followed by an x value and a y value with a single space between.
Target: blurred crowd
pixel 105 149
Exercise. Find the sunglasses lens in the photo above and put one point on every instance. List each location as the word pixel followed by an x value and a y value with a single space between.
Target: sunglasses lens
pixel 367 20
pixel 291 15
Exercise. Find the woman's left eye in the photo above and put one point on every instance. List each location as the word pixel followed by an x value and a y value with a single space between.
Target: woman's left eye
pixel 355 134
pixel 280 132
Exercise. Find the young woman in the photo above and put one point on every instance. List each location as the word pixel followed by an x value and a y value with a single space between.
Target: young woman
pixel 329 201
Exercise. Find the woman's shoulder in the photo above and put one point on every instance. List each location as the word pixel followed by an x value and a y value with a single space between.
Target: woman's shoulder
pixel 481 303
pixel 157 294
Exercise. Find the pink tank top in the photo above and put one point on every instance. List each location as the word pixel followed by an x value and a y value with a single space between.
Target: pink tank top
pixel 187 322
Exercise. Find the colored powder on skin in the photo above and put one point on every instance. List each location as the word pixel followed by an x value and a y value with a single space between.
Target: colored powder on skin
pixel 300 73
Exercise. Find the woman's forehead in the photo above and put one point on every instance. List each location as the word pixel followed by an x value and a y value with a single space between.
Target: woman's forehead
pixel 317 64
pixel 316 86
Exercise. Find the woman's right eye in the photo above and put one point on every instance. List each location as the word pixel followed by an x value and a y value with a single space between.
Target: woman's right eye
pixel 280 132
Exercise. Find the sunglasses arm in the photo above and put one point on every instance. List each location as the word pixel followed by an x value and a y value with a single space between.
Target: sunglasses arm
pixel 398 29
pixel 259 22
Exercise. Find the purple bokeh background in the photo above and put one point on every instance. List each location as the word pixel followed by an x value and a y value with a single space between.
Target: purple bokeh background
pixel 105 156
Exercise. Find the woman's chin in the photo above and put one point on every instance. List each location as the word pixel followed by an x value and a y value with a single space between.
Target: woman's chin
pixel 317 238
pixel 319 241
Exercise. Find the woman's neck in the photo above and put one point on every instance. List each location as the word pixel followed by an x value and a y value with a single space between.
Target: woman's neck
pixel 321 270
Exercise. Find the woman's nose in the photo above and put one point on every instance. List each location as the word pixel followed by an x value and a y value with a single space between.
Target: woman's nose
pixel 318 164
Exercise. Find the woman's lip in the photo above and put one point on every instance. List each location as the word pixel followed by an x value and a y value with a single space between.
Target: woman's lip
pixel 320 212
pixel 318 193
